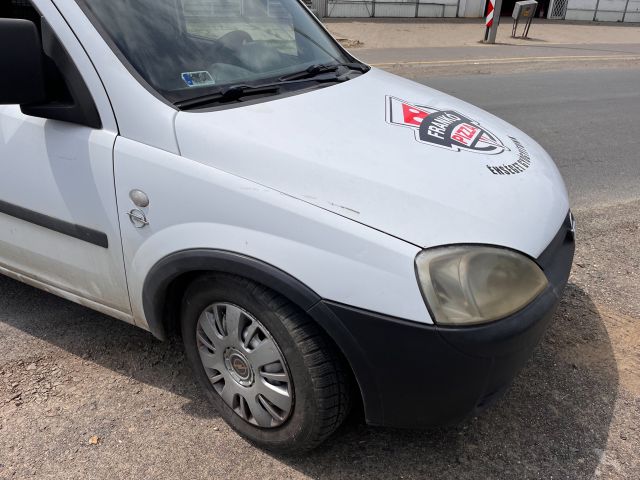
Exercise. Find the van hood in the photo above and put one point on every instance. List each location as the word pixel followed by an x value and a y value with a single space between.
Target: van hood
pixel 393 155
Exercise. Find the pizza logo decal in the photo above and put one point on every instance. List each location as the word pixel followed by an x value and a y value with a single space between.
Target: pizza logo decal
pixel 443 128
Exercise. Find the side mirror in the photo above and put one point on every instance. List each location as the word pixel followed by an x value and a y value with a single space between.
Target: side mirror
pixel 21 67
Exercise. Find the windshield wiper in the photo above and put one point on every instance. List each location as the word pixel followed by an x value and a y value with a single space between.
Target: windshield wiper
pixel 232 93
pixel 318 69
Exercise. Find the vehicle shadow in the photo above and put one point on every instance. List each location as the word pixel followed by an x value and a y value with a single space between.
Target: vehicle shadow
pixel 123 348
pixel 552 423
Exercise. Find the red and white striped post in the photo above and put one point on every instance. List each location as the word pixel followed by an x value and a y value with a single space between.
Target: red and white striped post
pixel 492 20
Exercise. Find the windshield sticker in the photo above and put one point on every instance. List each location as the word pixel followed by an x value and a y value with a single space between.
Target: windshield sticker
pixel 198 79
pixel 443 128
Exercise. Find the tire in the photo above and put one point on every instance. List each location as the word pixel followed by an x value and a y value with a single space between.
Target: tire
pixel 305 393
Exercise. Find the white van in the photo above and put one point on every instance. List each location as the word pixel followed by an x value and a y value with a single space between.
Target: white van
pixel 322 233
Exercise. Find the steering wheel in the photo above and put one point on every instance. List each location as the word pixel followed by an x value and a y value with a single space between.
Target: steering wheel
pixel 235 39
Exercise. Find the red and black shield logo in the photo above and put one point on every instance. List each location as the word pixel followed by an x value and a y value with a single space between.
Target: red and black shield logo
pixel 443 128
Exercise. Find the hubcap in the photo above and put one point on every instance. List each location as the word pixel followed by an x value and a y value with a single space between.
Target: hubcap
pixel 244 365
pixel 238 366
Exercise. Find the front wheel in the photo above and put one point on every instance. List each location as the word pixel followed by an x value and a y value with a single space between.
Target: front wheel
pixel 266 367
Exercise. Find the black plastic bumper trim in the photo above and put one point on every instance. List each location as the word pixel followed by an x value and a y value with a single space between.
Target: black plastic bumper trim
pixel 413 374
pixel 419 375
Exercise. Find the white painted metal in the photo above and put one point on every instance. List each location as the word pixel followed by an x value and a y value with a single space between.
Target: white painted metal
pixel 318 184
pixel 72 297
pixel 471 8
pixel 198 206
pixel 64 171
pixel 632 12
pixel 599 10
pixel 333 148
pixel 610 11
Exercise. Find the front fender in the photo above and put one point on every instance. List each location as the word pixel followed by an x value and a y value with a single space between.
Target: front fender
pixel 204 219
pixel 196 206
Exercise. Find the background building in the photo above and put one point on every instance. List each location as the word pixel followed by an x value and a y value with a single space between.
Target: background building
pixel 598 10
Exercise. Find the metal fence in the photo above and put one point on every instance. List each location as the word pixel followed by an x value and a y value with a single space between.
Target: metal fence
pixel 596 10
pixel 604 10
pixel 558 9
pixel 333 8
pixel 386 8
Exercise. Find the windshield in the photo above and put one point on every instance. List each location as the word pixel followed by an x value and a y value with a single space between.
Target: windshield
pixel 187 48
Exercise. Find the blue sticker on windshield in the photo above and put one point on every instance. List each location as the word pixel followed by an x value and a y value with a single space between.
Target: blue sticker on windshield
pixel 198 79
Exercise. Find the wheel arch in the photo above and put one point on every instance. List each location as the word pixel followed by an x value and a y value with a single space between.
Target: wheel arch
pixel 170 275
pixel 166 281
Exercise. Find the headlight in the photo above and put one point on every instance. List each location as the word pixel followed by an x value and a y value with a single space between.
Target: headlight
pixel 465 285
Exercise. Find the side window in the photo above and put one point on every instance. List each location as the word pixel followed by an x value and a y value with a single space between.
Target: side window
pixel 19 9
pixel 67 96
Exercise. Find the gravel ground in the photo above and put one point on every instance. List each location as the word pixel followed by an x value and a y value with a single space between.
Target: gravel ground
pixel 85 396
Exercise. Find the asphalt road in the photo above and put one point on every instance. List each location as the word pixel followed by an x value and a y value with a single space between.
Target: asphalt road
pixel 588 120
pixel 430 55
pixel 86 396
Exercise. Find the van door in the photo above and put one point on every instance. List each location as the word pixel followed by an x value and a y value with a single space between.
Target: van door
pixel 59 223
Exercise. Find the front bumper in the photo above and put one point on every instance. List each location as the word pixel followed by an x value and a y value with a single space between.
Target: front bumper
pixel 416 375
